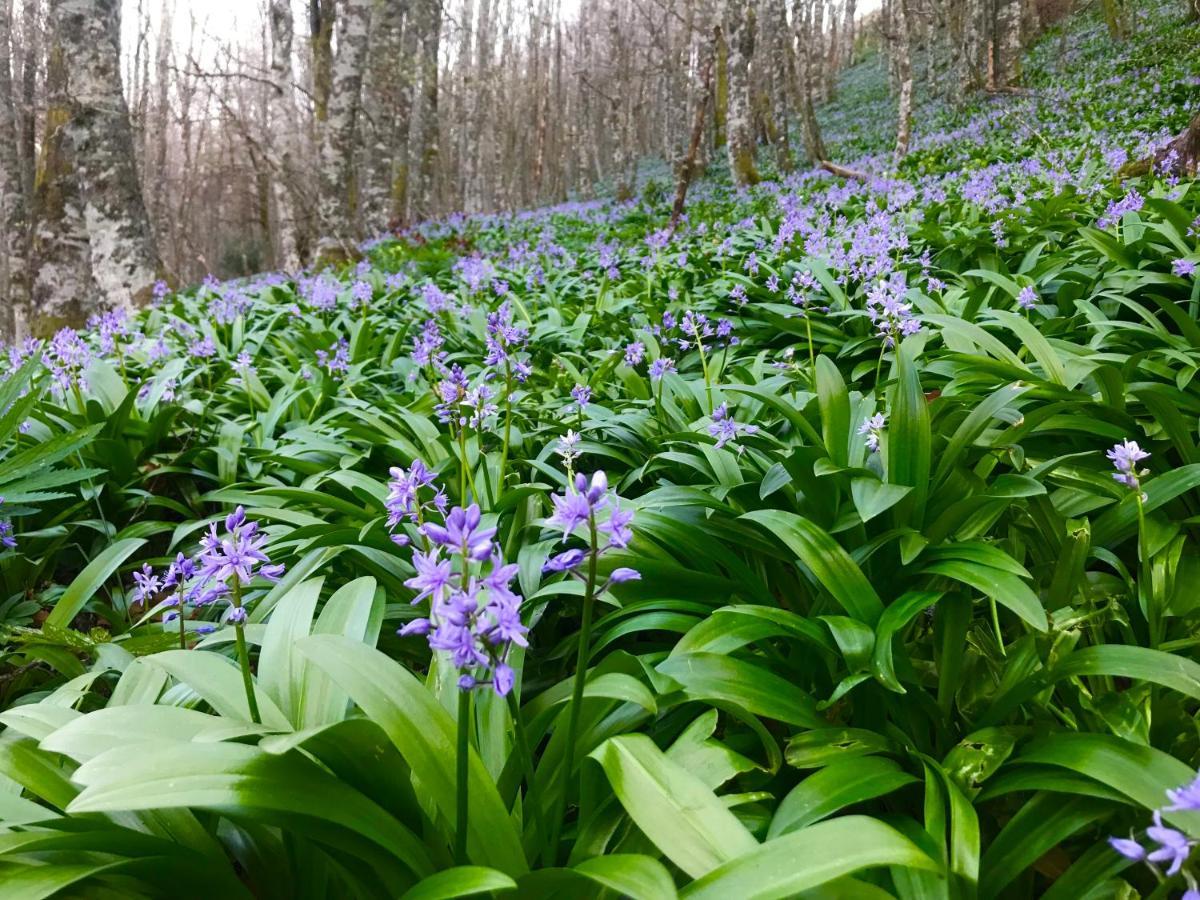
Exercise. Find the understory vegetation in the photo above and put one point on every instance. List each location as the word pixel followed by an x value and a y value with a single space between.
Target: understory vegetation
pixel 573 553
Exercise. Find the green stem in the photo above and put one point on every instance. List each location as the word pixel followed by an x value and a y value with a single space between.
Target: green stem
pixel 507 428
pixel 182 631
pixel 243 653
pixel 464 749
pixel 704 368
pixel 531 800
pixel 812 355
pixel 581 664
pixel 878 370
pixel 1153 620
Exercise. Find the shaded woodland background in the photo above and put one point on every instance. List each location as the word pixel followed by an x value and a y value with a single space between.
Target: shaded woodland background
pixel 121 165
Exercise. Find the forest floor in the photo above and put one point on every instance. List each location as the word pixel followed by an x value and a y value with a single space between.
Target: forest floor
pixel 857 605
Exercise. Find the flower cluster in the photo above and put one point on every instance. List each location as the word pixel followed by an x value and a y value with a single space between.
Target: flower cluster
pixel 1125 456
pixel 224 564
pixel 889 310
pixel 405 501
pixel 1172 847
pixel 588 504
pixel 473 616
pixel 506 342
pixel 336 359
pixel 725 429
pixel 6 531
pixel 1027 297
pixel 873 428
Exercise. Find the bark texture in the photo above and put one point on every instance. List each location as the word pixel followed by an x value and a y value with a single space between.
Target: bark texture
pixel 124 262
pixel 737 22
pixel 335 177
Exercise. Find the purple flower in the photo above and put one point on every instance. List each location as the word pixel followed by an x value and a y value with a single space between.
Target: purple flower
pixel 1027 297
pixel 1183 267
pixel 1185 797
pixel 623 574
pixel 1128 848
pixel 873 429
pixel 1173 846
pixel 725 429
pixel 147 584
pixel 462 533
pixel 236 554
pixel 661 367
pixel 1125 456
pixel 566 561
pixel 433 575
pixel 634 354
pixel 582 394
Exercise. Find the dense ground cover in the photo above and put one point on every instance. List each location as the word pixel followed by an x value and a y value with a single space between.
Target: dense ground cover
pixel 862 609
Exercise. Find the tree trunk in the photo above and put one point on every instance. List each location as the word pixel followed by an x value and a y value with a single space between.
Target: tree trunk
pixel 283 135
pixel 1007 45
pixel 738 27
pixel 423 131
pixel 776 29
pixel 335 180
pixel 123 258
pixel 903 46
pixel 13 228
pixel 61 292
pixel 848 35
pixel 687 166
pixel 814 146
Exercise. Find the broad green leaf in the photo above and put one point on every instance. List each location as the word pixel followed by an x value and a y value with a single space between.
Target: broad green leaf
pixel 808 858
pixel 425 735
pixel 89 581
pixel 461 881
pixel 675 810
pixel 824 557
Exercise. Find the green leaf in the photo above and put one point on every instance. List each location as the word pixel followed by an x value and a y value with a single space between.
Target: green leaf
pixel 218 681
pixel 423 732
pixel 1143 774
pixel 713 676
pixel 1041 824
pixel 461 881
pixel 674 809
pixel 168 774
pixel 1004 587
pixel 824 557
pixel 88 582
pixel 808 858
pixel 838 785
pixel 909 441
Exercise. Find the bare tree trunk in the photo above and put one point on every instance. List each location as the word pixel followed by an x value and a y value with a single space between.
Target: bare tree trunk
pixel 31 55
pixel 738 27
pixel 831 59
pixel 686 169
pixel 814 146
pixel 423 133
pixel 124 261
pixel 283 135
pixel 13 226
pixel 904 75
pixel 848 35
pixel 61 292
pixel 776 30
pixel 381 102
pixel 335 181
pixel 1007 46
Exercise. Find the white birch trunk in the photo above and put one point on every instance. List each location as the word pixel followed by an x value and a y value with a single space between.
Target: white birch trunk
pixel 124 261
pixel 335 201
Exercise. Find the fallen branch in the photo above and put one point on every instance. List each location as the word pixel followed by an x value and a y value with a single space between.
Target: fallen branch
pixel 1185 146
pixel 842 171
